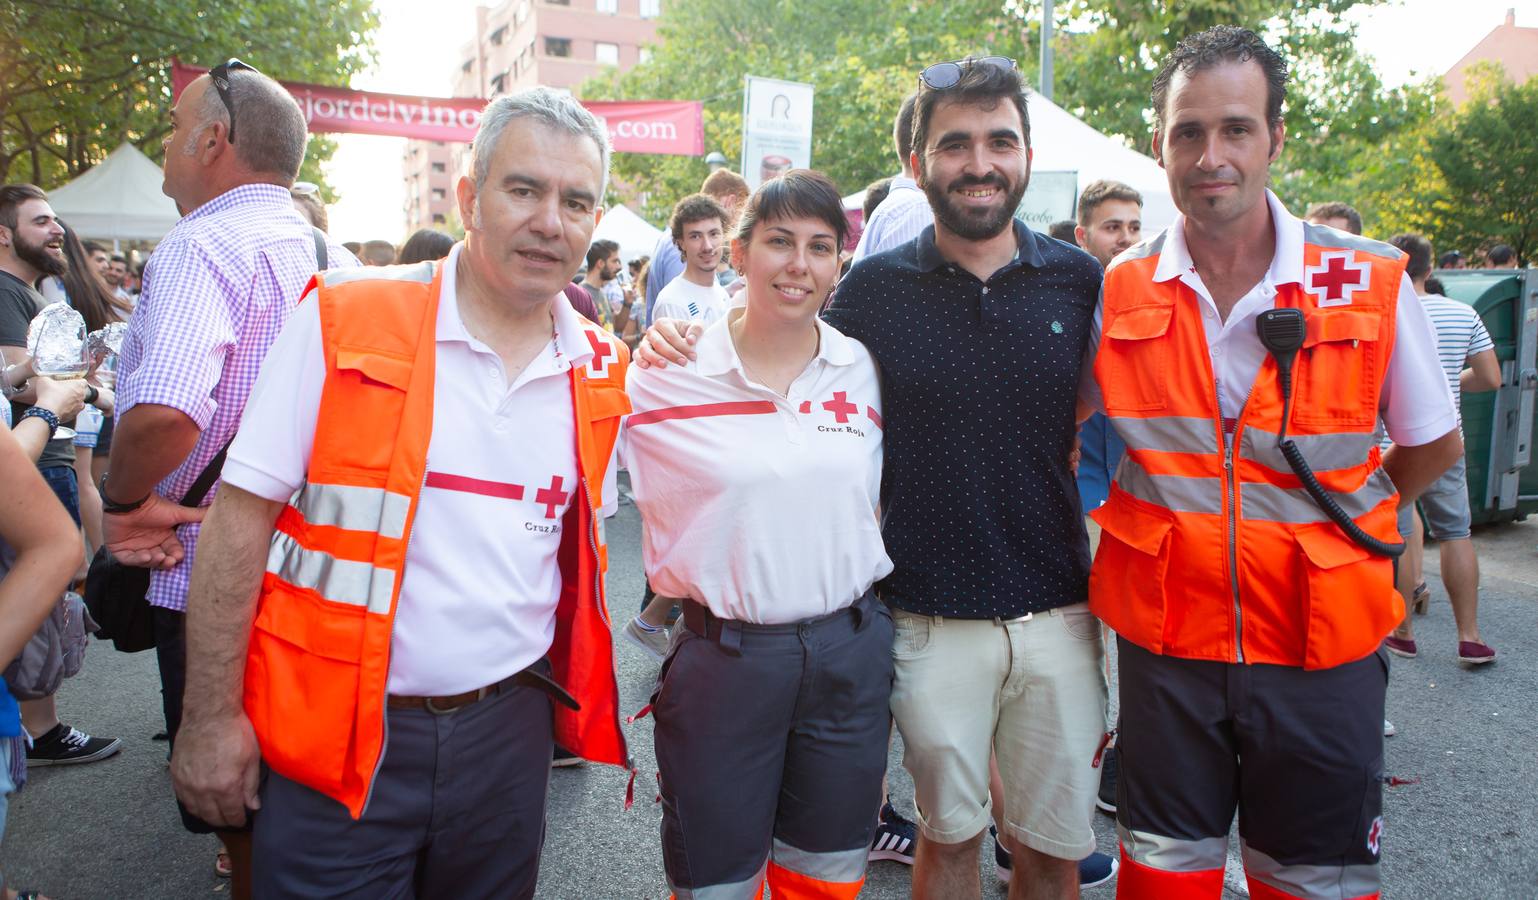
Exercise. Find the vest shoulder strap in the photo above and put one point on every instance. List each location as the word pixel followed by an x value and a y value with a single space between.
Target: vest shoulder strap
pixel 1325 236
pixel 377 308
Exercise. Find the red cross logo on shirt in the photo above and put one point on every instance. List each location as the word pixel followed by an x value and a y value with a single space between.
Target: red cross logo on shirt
pixel 601 349
pixel 840 406
pixel 551 496
pixel 1336 278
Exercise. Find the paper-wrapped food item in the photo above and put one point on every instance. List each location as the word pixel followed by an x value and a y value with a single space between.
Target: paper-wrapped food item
pixel 56 341
pixel 108 341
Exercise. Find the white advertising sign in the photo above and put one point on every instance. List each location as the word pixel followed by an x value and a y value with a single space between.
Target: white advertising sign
pixel 776 128
pixel 1050 197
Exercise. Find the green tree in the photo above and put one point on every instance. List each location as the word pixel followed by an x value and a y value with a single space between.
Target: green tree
pixel 1488 162
pixel 79 77
pixel 862 56
pixel 1106 59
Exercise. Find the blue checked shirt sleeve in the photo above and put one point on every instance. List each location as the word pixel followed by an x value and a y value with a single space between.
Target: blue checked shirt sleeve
pixel 179 335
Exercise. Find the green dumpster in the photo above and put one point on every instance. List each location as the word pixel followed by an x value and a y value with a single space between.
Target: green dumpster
pixel 1498 426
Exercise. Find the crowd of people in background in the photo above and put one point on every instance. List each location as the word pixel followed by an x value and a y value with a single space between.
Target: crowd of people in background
pixel 827 371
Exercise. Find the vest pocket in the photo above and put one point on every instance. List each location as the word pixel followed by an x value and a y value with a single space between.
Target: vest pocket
pixel 303 667
pixel 1349 594
pixel 368 387
pixel 1134 358
pixel 1338 375
pixel 1126 582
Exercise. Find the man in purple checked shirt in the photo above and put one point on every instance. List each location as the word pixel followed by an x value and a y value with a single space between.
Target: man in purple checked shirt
pixel 216 293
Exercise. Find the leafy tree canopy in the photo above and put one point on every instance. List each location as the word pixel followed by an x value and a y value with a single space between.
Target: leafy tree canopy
pixel 79 77
pixel 864 55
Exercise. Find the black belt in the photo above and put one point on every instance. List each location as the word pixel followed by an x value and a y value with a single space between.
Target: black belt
pixel 442 706
pixel 728 632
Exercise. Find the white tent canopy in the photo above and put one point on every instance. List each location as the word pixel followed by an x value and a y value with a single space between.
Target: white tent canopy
pixel 1062 143
pixel 118 199
pixel 635 235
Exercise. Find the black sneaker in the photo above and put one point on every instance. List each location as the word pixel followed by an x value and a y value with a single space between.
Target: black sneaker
pixel 1105 801
pixel 563 758
pixel 895 837
pixel 66 746
pixel 1096 868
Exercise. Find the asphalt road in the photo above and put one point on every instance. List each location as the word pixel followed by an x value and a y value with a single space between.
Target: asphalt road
pixel 1464 828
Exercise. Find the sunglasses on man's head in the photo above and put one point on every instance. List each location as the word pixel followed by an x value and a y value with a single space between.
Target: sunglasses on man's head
pixel 944 75
pixel 220 76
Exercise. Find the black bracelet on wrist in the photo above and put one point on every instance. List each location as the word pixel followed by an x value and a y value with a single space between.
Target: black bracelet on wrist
pixel 47 415
pixel 91 394
pixel 108 505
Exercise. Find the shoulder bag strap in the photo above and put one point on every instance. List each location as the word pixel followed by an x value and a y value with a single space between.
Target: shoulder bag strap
pixel 320 247
pixel 210 474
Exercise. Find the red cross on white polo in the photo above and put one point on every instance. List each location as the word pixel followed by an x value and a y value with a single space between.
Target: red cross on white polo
pixel 840 406
pixel 1336 278
pixel 551 496
pixel 601 349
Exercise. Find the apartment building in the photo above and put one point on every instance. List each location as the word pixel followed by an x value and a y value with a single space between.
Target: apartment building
pixel 518 44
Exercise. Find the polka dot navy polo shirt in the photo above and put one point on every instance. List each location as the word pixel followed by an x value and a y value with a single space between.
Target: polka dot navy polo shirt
pixel 980 381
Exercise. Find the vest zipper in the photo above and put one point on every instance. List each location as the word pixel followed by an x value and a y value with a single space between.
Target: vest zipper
pixel 1231 487
pixel 1233 540
pixel 384 715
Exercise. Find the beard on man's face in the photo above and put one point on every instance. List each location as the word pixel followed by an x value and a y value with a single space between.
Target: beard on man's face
pixel 973 223
pixel 40 257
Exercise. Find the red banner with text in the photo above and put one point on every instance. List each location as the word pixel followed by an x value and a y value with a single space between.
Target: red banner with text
pixel 674 127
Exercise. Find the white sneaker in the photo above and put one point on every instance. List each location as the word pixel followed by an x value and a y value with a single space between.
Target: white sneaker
pixel 1388 728
pixel 652 643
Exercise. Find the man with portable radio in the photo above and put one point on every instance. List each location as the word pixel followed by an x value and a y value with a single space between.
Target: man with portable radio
pixel 1246 358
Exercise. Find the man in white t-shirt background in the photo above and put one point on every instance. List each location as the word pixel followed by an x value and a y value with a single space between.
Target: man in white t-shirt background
pixel 699 231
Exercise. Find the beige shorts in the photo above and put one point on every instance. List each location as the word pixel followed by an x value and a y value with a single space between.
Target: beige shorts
pixel 1031 690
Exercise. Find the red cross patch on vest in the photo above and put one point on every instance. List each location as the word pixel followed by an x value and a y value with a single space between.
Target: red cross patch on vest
pixel 1336 278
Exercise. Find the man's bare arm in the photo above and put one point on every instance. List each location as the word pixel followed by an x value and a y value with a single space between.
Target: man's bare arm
pixel 221 602
pixel 216 764
pixel 1483 373
pixel 1413 469
pixel 151 440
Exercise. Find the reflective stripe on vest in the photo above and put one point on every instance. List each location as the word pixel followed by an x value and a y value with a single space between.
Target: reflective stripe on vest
pixel 1324 452
pixel 1258 501
pixel 1194 434
pixel 354 508
pixel 1294 506
pixel 1168 434
pixel 338 580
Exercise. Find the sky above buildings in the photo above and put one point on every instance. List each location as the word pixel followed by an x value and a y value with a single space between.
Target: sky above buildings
pixel 418 48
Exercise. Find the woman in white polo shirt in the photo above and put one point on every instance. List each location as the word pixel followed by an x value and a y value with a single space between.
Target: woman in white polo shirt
pixel 756 470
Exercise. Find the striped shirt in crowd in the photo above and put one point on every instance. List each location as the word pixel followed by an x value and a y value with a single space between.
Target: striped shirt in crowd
pixel 1460 336
pixel 217 291
pixel 895 221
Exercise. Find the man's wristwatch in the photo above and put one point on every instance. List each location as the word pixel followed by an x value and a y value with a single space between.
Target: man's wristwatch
pixel 108 505
pixel 47 415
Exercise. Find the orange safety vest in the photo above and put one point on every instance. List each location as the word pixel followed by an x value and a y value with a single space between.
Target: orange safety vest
pixel 320 645
pixel 1213 550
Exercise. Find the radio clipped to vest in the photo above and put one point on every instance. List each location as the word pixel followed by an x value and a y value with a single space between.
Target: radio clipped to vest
pixel 1282 332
